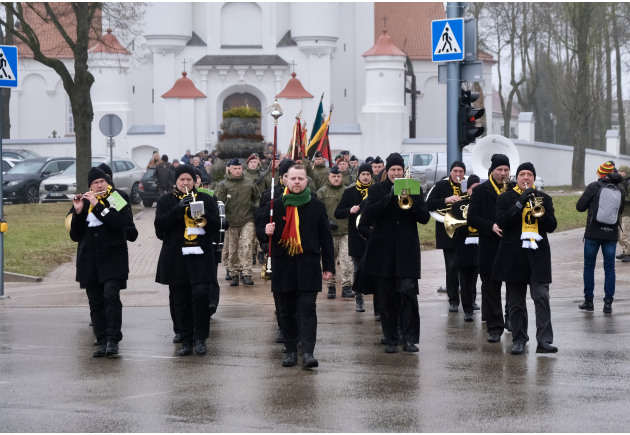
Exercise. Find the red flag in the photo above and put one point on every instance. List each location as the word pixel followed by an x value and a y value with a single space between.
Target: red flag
pixel 324 147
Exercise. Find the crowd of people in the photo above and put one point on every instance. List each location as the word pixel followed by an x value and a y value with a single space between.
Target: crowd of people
pixel 339 222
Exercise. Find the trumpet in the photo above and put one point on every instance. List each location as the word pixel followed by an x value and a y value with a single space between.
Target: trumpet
pixel 200 221
pixel 80 195
pixel 404 199
pixel 536 204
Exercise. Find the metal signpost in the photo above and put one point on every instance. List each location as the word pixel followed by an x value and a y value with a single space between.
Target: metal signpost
pixel 8 79
pixel 110 125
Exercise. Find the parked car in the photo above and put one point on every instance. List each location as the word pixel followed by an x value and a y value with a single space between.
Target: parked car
pixel 19 154
pixel 21 183
pixel 127 176
pixel 8 163
pixel 148 189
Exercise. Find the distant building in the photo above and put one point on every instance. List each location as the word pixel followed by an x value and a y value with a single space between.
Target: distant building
pixel 498 122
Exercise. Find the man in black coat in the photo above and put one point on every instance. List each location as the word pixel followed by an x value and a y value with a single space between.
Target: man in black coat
pixel 102 258
pixel 482 213
pixel 524 258
pixel 447 192
pixel 301 238
pixel 349 208
pixel 186 261
pixel 393 256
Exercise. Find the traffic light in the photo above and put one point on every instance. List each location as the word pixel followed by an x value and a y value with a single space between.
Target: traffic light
pixel 468 116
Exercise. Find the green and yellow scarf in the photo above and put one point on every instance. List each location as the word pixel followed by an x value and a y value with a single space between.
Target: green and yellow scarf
pixel 190 243
pixel 291 239
pixel 363 188
pixel 529 226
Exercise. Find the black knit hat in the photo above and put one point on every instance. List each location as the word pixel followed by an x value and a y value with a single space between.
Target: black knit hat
pixel 527 166
pixel 394 159
pixel 377 160
pixel 473 179
pixel 365 167
pixel 285 165
pixel 185 169
pixel 105 168
pixel 335 170
pixel 95 174
pixel 498 160
pixel 458 164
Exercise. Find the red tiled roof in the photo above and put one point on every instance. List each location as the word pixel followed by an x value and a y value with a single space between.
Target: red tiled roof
pixel 184 89
pixel 384 46
pixel 409 25
pixel 294 90
pixel 109 44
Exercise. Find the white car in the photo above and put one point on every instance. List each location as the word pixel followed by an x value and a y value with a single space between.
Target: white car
pixel 8 163
pixel 62 187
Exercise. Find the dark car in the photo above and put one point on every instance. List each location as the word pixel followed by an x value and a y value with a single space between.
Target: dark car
pixel 19 154
pixel 21 183
pixel 148 189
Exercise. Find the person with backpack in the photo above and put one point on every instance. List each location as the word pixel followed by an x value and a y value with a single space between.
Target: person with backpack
pixel 604 200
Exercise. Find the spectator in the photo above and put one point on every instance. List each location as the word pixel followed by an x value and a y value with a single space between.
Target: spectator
pixel 186 159
pixel 624 235
pixel 162 177
pixel 155 159
pixel 195 162
pixel 601 231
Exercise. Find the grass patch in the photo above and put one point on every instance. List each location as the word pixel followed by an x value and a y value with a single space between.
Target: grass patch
pixel 567 216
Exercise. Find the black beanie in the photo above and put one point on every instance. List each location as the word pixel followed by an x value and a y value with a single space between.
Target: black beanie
pixel 285 165
pixel 498 160
pixel 95 174
pixel 235 162
pixel 106 169
pixel 473 179
pixel 527 166
pixel 365 167
pixel 185 169
pixel 394 159
pixel 458 164
pixel 335 170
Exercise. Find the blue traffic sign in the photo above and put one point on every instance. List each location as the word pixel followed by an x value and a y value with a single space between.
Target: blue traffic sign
pixel 447 40
pixel 8 66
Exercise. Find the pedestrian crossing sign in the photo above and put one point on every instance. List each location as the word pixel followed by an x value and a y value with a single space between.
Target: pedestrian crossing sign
pixel 8 66
pixel 447 38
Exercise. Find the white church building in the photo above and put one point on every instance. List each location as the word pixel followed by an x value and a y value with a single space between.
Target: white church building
pixel 195 60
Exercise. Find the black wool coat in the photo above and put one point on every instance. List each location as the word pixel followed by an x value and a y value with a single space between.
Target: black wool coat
pixel 440 192
pixel 102 252
pixel 175 268
pixel 351 197
pixel 482 214
pixel 301 272
pixel 394 248
pixel 466 254
pixel 514 263
pixel 363 283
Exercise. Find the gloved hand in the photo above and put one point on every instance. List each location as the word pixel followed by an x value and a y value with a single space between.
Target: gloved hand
pixel 525 196
pixel 185 201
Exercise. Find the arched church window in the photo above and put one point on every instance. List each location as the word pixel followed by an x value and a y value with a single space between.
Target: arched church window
pixel 241 25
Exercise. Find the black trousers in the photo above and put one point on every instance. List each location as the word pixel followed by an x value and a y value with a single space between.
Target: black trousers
pixel 355 263
pixel 106 309
pixel 377 304
pixel 215 290
pixel 171 306
pixel 298 319
pixel 491 306
pixel 192 311
pixel 518 311
pixel 452 275
pixel 399 308
pixel 468 280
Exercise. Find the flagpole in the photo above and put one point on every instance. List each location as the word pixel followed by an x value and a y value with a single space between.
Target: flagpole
pixel 276 112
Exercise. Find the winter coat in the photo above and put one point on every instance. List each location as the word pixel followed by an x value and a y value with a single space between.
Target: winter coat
pixel 102 252
pixel 260 174
pixel 393 250
pixel 348 178
pixel 625 184
pixel 322 172
pixel 301 272
pixel 589 201
pixel 466 254
pixel 162 176
pixel 331 196
pixel 351 197
pixel 175 268
pixel 440 192
pixel 514 263
pixel 244 199
pixel 363 282
pixel 186 159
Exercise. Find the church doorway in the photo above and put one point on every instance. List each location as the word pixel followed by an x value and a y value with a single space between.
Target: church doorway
pixel 244 99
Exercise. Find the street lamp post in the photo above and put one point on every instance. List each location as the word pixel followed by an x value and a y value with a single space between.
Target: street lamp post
pixel 554 119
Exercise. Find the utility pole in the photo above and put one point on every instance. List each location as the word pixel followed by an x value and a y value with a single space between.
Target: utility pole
pixel 453 91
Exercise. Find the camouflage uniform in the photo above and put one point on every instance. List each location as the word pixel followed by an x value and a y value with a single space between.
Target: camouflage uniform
pixel 345 261
pixel 240 247
pixel 263 184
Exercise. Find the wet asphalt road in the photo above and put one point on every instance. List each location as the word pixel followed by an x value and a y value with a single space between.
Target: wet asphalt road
pixel 50 382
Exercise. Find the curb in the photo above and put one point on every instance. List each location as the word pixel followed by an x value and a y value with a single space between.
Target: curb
pixel 16 277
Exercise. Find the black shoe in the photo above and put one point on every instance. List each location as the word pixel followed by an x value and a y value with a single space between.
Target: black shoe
pixel 90 323
pixel 227 275
pixel 360 306
pixel 391 349
pixel 290 360
pixel 383 340
pixel 261 258
pixel 213 309
pixel 508 325
pixel 99 342
pixel 186 349
pixel 453 308
pixel 284 349
pixel 441 289
pixel 200 346
pixel 100 351
pixel 247 280
pixel 476 307
pixel 483 319
pixel 607 307
pixel 377 318
pixel 112 348
pixel 234 282
pixel 518 349
pixel 309 361
pixel 332 293
pixel 621 256
pixel 544 347
pixel 253 259
pixel 587 305
pixel 410 347
pixel 494 338
pixel 177 338
pixel 280 337
pixel 346 292
pixel 468 317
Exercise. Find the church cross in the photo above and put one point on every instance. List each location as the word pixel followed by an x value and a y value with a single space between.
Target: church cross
pixel 184 62
pixel 293 64
pixel 385 21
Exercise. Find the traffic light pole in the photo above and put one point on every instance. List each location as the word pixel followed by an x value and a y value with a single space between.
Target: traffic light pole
pixel 2 295
pixel 453 91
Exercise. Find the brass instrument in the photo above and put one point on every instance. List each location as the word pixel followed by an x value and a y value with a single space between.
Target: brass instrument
pixel 457 216
pixel 404 199
pixel 444 211
pixel 536 204
pixel 200 221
